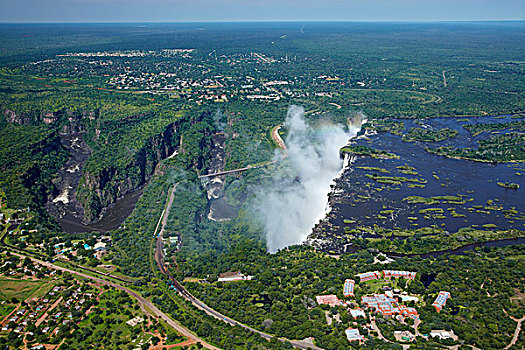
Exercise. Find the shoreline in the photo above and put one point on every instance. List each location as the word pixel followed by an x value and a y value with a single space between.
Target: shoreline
pixel 347 162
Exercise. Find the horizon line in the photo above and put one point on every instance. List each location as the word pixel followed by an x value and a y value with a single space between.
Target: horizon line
pixel 278 21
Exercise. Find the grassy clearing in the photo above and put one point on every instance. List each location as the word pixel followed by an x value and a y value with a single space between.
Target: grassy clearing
pixel 20 290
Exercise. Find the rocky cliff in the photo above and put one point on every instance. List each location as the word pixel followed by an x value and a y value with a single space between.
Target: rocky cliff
pixel 101 186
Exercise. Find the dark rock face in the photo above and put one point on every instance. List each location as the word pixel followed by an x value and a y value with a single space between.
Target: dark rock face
pixel 64 201
pixel 99 190
pixel 84 196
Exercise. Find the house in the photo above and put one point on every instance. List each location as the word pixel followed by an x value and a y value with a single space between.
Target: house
pixel 398 274
pixel 441 334
pixel 441 300
pixel 100 247
pixel 353 335
pixel 348 289
pixel 135 321
pixel 368 276
pixel 233 276
pixel 357 313
pixel 328 300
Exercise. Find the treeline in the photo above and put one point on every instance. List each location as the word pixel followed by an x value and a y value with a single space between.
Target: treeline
pixel 428 135
pixel 498 149
pixel 30 156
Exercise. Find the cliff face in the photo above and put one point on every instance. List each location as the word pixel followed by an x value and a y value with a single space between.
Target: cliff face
pixel 99 189
pixel 71 122
pixel 94 191
pixel 37 176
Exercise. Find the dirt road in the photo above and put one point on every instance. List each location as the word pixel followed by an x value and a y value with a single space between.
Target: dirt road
pixel 277 138
pixel 145 304
pixel 516 332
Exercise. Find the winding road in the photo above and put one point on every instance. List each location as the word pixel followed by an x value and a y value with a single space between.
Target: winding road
pixel 276 137
pixel 516 331
pixel 159 259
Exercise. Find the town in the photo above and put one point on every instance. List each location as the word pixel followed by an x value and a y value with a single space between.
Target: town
pixel 387 302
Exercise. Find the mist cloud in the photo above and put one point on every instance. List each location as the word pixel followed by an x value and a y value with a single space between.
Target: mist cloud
pixel 296 199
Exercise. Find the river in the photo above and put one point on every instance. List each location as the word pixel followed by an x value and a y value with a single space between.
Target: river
pixel 358 201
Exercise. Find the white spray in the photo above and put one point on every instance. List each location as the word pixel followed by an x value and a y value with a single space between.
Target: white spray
pixel 296 201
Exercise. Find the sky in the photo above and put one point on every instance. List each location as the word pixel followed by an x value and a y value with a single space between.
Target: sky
pixel 258 10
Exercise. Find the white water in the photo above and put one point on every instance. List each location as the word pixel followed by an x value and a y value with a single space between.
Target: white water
pixel 291 208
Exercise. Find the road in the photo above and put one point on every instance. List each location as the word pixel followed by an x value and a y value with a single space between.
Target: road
pixel 516 332
pixel 275 136
pixel 145 304
pixel 378 331
pixel 159 258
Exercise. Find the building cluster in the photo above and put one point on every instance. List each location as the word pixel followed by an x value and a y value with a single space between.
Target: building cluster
pixel 45 315
pixel 388 305
pixel 98 249
pixel 59 305
pixel 386 274
pixel 133 53
pixel 189 77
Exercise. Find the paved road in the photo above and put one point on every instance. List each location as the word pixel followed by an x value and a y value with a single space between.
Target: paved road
pixel 145 304
pixel 275 136
pixel 159 258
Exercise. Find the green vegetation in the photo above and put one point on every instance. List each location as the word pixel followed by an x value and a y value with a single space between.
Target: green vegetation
pixel 428 135
pixel 510 185
pixel 394 180
pixel 478 128
pixel 293 312
pixel 17 289
pixel 381 170
pixel 367 151
pixel 435 200
pixel 132 109
pixel 498 149
pixel 386 125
